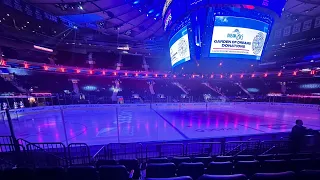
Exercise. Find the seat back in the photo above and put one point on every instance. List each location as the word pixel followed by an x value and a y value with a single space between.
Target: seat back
pixel 274 176
pixel 309 175
pixel 220 168
pixel 283 156
pixel 50 173
pixel 246 167
pixel 173 178
pixel 244 158
pixel 223 177
pixel 106 162
pixel 161 170
pixel 114 172
pixel 131 164
pixel 194 170
pixel 223 159
pixel 298 165
pixel 274 166
pixel 158 160
pixel 205 160
pixel 178 160
pixel 82 173
pixel 17 174
pixel 262 158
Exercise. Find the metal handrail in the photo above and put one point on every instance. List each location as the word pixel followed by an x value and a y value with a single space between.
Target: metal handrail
pixel 98 152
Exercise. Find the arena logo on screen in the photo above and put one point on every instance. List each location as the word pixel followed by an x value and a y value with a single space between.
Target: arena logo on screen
pixel 235 35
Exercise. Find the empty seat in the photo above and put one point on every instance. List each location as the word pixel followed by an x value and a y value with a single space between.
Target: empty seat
pixel 303 156
pixel 114 172
pixel 223 177
pixel 106 162
pixel 223 159
pixel 173 178
pixel 82 173
pixel 220 168
pixel 309 175
pixel 158 160
pixel 161 170
pixel 283 156
pixel 246 167
pixel 298 165
pixel 178 160
pixel 244 158
pixel 17 174
pixel 131 164
pixel 274 176
pixel 316 164
pixel 205 160
pixel 274 166
pixel 50 173
pixel 194 170
pixel 264 157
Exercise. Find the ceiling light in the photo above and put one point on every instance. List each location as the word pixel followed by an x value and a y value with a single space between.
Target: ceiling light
pixel 28 22
pixel 80 7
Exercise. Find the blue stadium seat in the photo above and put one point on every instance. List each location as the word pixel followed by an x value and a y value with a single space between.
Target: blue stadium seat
pixel 274 176
pixel 303 155
pixel 244 158
pixel 246 167
pixel 316 164
pixel 298 165
pixel 114 172
pixel 264 157
pixel 274 166
pixel 161 170
pixel 283 156
pixel 205 160
pixel 173 178
pixel 82 173
pixel 194 170
pixel 18 174
pixel 158 160
pixel 223 177
pixel 220 168
pixel 106 162
pixel 178 160
pixel 309 175
pixel 50 173
pixel 131 164
pixel 223 159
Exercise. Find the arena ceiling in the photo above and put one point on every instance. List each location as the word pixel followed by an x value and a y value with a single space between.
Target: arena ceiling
pixel 131 19
pixel 136 23
pixel 299 9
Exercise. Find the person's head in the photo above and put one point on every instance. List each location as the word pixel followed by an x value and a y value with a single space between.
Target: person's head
pixel 299 122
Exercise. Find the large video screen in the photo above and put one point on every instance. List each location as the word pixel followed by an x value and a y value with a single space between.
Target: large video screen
pixel 238 37
pixel 179 47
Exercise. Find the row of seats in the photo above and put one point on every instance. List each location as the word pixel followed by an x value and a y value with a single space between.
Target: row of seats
pixel 115 172
pixel 248 168
pixel 303 175
pixel 118 172
pixel 209 159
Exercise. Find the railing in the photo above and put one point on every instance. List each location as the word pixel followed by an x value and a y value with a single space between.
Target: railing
pixel 79 153
pixel 101 154
pixel 204 149
pixel 119 151
pixel 47 154
pixel 164 150
pixel 55 154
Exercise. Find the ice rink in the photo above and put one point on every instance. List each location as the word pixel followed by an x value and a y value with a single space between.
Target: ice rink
pixel 165 122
